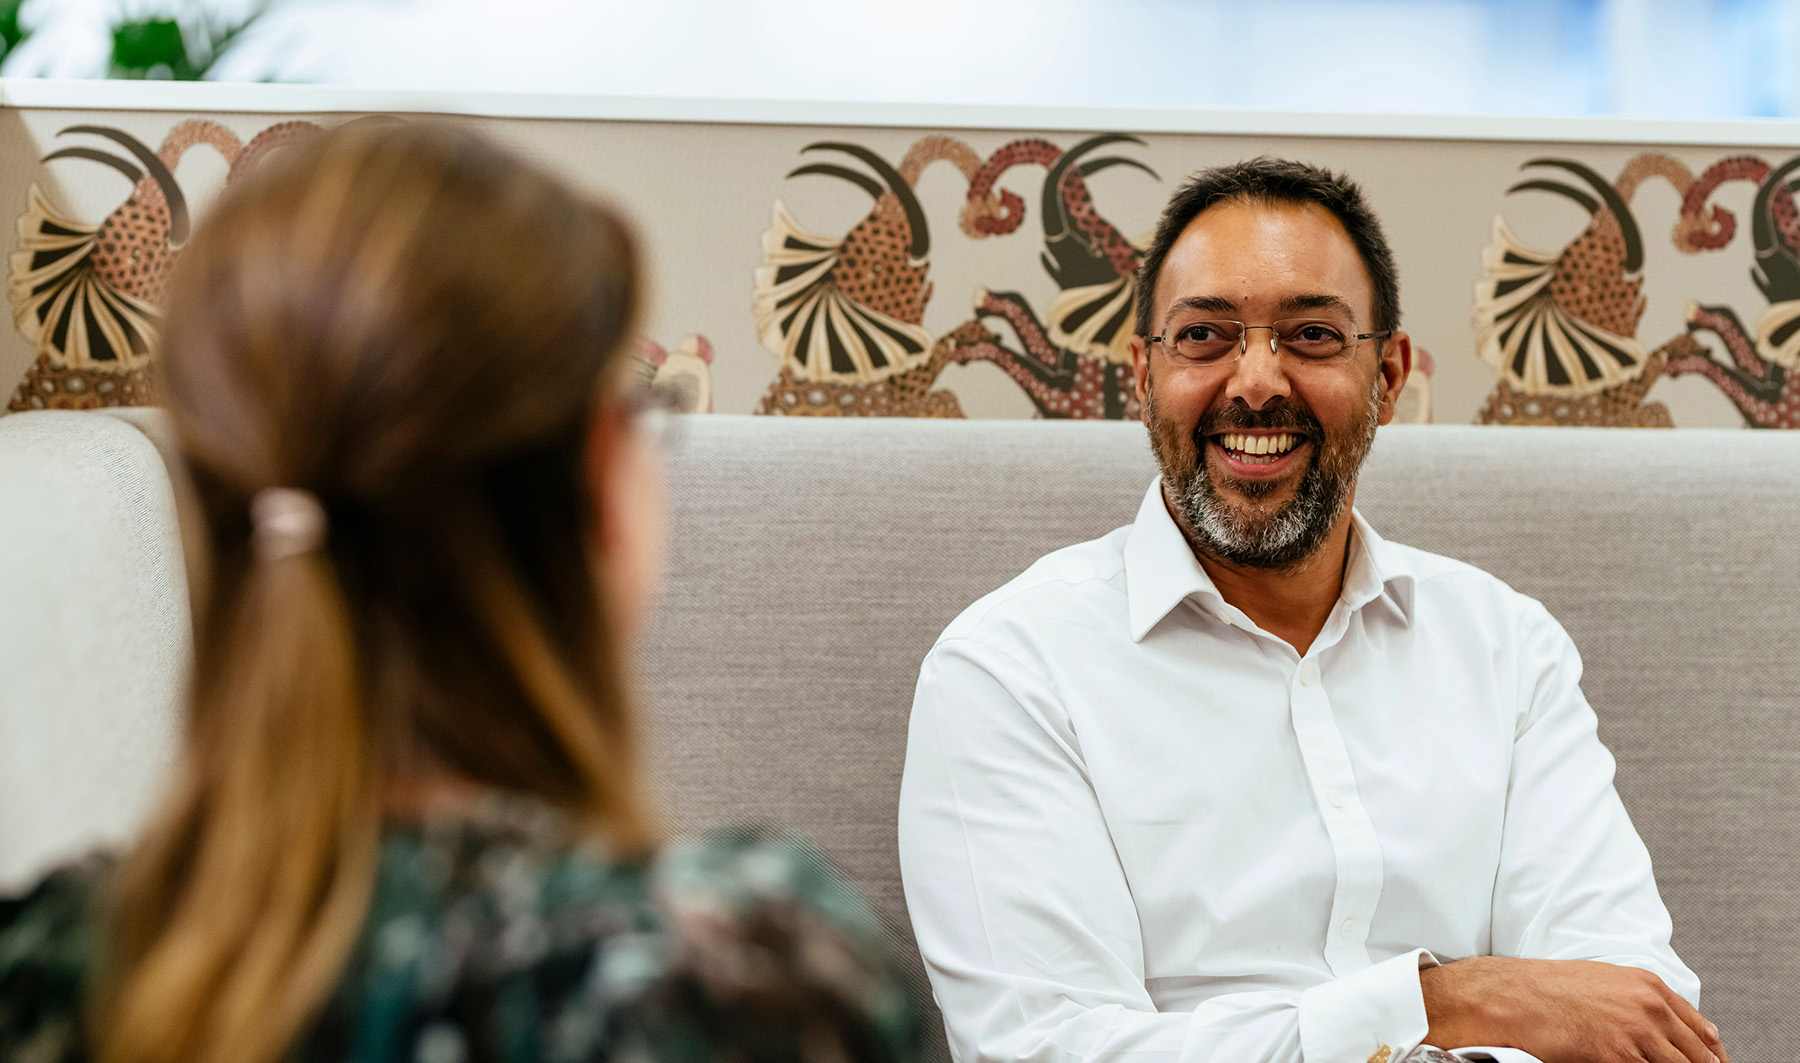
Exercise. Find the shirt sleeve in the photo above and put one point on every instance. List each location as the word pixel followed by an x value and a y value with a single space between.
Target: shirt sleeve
pixel 1025 919
pixel 1574 881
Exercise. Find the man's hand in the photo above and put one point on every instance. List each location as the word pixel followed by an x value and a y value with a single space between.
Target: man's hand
pixel 1565 1011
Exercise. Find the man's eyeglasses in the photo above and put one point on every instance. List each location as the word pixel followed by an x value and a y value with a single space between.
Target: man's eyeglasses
pixel 1215 342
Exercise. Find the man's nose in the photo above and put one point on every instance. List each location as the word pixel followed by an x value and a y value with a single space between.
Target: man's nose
pixel 1259 374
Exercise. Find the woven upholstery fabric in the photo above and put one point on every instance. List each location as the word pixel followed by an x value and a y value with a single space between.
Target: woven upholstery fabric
pixel 814 562
pixel 94 634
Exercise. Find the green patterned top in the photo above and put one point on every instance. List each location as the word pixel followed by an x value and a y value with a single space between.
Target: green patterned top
pixel 502 937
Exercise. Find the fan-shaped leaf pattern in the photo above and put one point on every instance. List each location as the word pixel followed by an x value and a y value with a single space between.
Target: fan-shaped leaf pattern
pixel 1538 347
pixel 806 321
pixel 59 304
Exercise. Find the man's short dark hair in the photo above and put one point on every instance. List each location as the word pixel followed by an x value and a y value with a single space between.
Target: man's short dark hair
pixel 1265 179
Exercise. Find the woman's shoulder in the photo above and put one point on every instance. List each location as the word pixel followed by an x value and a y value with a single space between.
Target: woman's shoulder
pixel 49 938
pixel 518 864
pixel 745 889
pixel 769 940
pixel 745 871
pixel 724 944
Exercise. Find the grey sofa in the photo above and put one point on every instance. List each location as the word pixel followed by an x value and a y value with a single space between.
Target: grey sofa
pixel 813 563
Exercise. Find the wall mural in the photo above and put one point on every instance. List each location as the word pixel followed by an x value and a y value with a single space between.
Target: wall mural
pixel 685 374
pixel 1561 328
pixel 844 315
pixel 1755 377
pixel 85 295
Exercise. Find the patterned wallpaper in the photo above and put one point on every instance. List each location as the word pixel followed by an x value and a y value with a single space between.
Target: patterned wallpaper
pixel 815 271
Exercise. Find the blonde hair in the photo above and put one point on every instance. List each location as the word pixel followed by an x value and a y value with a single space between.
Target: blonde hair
pixel 414 327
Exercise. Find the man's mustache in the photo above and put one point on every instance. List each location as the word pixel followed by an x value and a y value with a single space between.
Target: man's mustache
pixel 1279 414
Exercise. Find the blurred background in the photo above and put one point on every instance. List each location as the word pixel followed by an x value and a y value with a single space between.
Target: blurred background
pixel 1658 58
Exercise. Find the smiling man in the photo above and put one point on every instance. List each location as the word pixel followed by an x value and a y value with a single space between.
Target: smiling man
pixel 1244 782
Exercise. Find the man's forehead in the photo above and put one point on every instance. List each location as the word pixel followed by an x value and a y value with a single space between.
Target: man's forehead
pixel 1253 250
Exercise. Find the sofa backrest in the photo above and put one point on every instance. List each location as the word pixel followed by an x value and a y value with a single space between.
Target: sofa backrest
pixel 94 634
pixel 813 563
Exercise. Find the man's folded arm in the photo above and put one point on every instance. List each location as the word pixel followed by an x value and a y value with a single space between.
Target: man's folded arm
pixel 1574 880
pixel 1025 919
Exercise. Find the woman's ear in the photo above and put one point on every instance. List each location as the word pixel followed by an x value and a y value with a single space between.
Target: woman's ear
pixel 624 480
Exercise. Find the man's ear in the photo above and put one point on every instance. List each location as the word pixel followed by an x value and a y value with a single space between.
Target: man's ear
pixel 1395 367
pixel 1140 370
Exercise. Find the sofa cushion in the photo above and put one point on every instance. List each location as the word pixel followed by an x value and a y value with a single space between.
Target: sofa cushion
pixel 94 634
pixel 814 562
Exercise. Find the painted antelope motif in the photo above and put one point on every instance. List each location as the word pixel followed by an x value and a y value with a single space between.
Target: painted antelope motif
pixel 1759 378
pixel 86 296
pixel 1561 328
pixel 1079 364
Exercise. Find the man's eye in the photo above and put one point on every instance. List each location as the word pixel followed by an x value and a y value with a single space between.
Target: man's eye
pixel 1201 333
pixel 1317 334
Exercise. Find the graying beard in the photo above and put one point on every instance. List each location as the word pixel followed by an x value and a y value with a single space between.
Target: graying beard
pixel 1280 541
pixel 1295 531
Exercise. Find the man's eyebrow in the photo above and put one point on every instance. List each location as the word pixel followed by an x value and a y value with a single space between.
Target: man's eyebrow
pixel 1205 304
pixel 1293 304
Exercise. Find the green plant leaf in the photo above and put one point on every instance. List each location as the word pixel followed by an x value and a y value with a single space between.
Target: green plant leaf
pixel 11 33
pixel 166 48
pixel 143 46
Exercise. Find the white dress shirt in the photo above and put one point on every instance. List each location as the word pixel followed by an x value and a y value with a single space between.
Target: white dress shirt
pixel 1136 826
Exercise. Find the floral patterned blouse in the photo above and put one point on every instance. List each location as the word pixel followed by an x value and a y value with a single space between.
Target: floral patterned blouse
pixel 500 936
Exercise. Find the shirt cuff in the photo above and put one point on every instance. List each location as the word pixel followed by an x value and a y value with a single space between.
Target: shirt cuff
pixel 1373 1016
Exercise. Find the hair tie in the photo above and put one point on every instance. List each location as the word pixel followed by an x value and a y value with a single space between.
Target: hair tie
pixel 285 522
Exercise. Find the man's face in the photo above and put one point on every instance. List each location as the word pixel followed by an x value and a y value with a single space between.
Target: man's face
pixel 1259 455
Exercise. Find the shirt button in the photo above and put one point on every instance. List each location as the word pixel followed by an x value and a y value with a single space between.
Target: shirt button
pixel 1336 799
pixel 1348 930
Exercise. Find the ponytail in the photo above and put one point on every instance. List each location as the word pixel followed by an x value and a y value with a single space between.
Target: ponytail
pixel 248 892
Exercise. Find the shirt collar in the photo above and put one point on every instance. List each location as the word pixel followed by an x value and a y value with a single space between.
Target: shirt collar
pixel 1161 571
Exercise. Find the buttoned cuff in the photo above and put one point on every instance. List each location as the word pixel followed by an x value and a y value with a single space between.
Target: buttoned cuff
pixel 1373 1016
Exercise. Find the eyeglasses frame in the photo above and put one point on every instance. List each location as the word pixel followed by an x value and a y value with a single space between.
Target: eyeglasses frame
pixel 1243 344
pixel 654 414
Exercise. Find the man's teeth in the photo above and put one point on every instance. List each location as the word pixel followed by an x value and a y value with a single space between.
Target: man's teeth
pixel 1258 450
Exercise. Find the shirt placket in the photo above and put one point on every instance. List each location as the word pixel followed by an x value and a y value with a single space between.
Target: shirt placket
pixel 1347 823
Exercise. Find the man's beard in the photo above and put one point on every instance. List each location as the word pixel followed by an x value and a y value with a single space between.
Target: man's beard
pixel 1263 534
